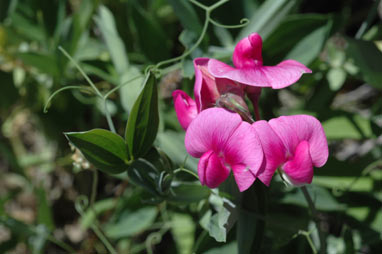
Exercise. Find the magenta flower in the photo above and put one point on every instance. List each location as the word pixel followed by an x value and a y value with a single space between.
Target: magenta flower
pixel 223 142
pixel 207 91
pixel 249 69
pixel 185 108
pixel 296 143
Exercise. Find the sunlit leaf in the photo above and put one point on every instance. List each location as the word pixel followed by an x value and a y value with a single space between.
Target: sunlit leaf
pixel 368 58
pixel 183 230
pixel 132 223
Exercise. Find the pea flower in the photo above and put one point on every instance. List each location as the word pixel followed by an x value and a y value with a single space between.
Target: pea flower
pixel 185 108
pixel 224 142
pixel 249 69
pixel 207 92
pixel 294 143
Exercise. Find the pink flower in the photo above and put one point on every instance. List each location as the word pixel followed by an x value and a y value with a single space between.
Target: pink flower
pixel 249 69
pixel 207 91
pixel 223 142
pixel 296 143
pixel 185 108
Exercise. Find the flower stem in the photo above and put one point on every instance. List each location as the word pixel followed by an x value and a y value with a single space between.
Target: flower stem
pixel 316 219
pixel 187 171
pixel 108 117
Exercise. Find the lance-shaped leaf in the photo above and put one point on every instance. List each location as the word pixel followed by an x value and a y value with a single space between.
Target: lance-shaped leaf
pixel 104 149
pixel 142 126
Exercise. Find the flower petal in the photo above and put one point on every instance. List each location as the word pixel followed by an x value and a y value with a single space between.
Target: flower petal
pixel 274 150
pixel 282 75
pixel 210 130
pixel 243 176
pixel 205 90
pixel 185 108
pixel 244 147
pixel 299 168
pixel 294 129
pixel 247 52
pixel 211 170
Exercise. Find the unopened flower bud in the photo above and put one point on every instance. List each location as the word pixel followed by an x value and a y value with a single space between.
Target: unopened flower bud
pixel 235 103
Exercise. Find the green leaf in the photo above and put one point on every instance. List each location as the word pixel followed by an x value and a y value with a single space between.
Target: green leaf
pixel 230 248
pixel 364 184
pixel 368 58
pixel 322 198
pixel 186 192
pixel 342 127
pixel 173 143
pixel 246 231
pixel 307 49
pixel 106 23
pixel 142 173
pixel 309 34
pixel 80 21
pixel 186 14
pixel 142 126
pixel 266 18
pixel 149 33
pixel 336 78
pixel 43 62
pixel 217 225
pixel 251 219
pixel 183 229
pixel 99 207
pixel 104 149
pixel 44 212
pixel 132 223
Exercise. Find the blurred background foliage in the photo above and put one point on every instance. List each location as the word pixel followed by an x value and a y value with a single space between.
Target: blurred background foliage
pixel 115 40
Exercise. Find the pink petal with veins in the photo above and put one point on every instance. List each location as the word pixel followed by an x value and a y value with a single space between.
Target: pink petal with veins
pixel 244 178
pixel 299 168
pixel 185 108
pixel 294 129
pixel 211 170
pixel 282 75
pixel 249 69
pixel 205 90
pixel 274 150
pixel 233 143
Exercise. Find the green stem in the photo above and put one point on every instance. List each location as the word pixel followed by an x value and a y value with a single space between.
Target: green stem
pixel 316 219
pixel 99 94
pixel 243 23
pixel 108 117
pixel 61 244
pixel 187 171
pixel 119 86
pixel 81 71
pixel 216 5
pixel 199 4
pixel 187 52
pixel 309 239
pixel 103 239
pixel 199 241
pixel 81 204
pixel 62 89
